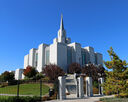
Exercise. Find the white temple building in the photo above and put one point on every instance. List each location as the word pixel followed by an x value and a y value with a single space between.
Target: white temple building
pixel 62 53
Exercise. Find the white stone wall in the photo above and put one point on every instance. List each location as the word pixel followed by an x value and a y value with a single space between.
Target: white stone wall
pixel 58 55
pixel 41 57
pixel 53 53
pixel 99 58
pixel 62 56
pixel 18 74
pixel 89 87
pixel 62 88
pixel 61 36
pixel 76 53
pixel 55 40
pixel 26 61
pixel 91 54
pixel 32 59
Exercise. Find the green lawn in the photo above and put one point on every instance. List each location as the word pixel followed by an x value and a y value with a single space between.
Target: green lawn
pixel 114 99
pixel 25 89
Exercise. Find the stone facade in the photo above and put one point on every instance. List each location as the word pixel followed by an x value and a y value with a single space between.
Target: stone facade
pixel 89 88
pixel 62 53
pixel 62 91
pixel 19 74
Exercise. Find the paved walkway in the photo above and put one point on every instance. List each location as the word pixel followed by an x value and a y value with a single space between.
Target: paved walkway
pixel 71 98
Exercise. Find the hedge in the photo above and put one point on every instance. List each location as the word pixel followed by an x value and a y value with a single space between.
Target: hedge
pixel 19 99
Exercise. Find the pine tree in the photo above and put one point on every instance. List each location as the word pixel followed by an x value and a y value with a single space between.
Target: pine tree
pixel 117 76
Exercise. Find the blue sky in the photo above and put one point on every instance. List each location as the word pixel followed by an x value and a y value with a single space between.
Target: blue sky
pixel 24 24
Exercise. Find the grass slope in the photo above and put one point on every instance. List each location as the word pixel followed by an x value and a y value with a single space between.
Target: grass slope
pixel 25 89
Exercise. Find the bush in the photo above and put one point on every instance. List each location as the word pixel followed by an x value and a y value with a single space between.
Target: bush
pixel 95 84
pixel 95 90
pixel 13 82
pixel 122 95
pixel 20 99
pixel 46 79
pixel 39 76
pixel 4 84
pixel 45 98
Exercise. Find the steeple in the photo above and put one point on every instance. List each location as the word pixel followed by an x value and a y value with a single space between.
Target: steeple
pixel 61 23
pixel 62 32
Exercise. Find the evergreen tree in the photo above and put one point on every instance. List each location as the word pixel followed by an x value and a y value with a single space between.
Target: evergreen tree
pixel 117 76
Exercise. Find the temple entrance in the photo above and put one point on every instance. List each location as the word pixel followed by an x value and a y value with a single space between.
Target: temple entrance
pixel 72 87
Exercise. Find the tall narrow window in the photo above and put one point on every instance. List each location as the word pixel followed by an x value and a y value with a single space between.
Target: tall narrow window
pixel 69 56
pixel 47 57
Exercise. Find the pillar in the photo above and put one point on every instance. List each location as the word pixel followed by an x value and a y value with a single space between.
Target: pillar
pixel 89 88
pixel 62 93
pixel 100 81
pixel 80 87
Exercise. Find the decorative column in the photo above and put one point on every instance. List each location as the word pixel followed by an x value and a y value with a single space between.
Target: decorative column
pixel 89 88
pixel 62 93
pixel 80 87
pixel 100 81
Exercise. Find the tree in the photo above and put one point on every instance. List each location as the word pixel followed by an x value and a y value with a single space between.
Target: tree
pixel 53 71
pixel 101 71
pixel 7 76
pixel 117 76
pixel 30 72
pixel 74 68
pixel 93 71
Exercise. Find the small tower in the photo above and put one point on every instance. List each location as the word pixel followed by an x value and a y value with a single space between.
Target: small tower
pixel 62 32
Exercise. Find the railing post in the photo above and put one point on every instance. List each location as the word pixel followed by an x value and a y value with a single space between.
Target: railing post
pixel 18 86
pixel 40 89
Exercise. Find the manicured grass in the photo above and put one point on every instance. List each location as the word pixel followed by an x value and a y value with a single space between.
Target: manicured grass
pixel 25 89
pixel 114 99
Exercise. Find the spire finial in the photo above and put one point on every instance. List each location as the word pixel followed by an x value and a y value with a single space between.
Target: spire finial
pixel 61 22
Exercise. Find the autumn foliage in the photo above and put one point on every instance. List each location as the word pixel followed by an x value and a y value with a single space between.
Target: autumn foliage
pixel 74 68
pixel 93 71
pixel 30 72
pixel 53 71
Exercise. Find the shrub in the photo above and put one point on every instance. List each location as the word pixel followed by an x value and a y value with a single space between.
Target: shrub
pixel 53 71
pixel 122 95
pixel 3 84
pixel 45 98
pixel 45 79
pixel 39 76
pixel 95 90
pixel 95 84
pixel 20 99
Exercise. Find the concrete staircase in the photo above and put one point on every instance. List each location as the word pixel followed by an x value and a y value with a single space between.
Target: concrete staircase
pixel 70 84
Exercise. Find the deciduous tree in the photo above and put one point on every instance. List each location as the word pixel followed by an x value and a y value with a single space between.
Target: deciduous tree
pixel 53 71
pixel 74 68
pixel 30 72
pixel 7 76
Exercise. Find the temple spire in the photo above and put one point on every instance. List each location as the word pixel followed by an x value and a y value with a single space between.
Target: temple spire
pixel 61 23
